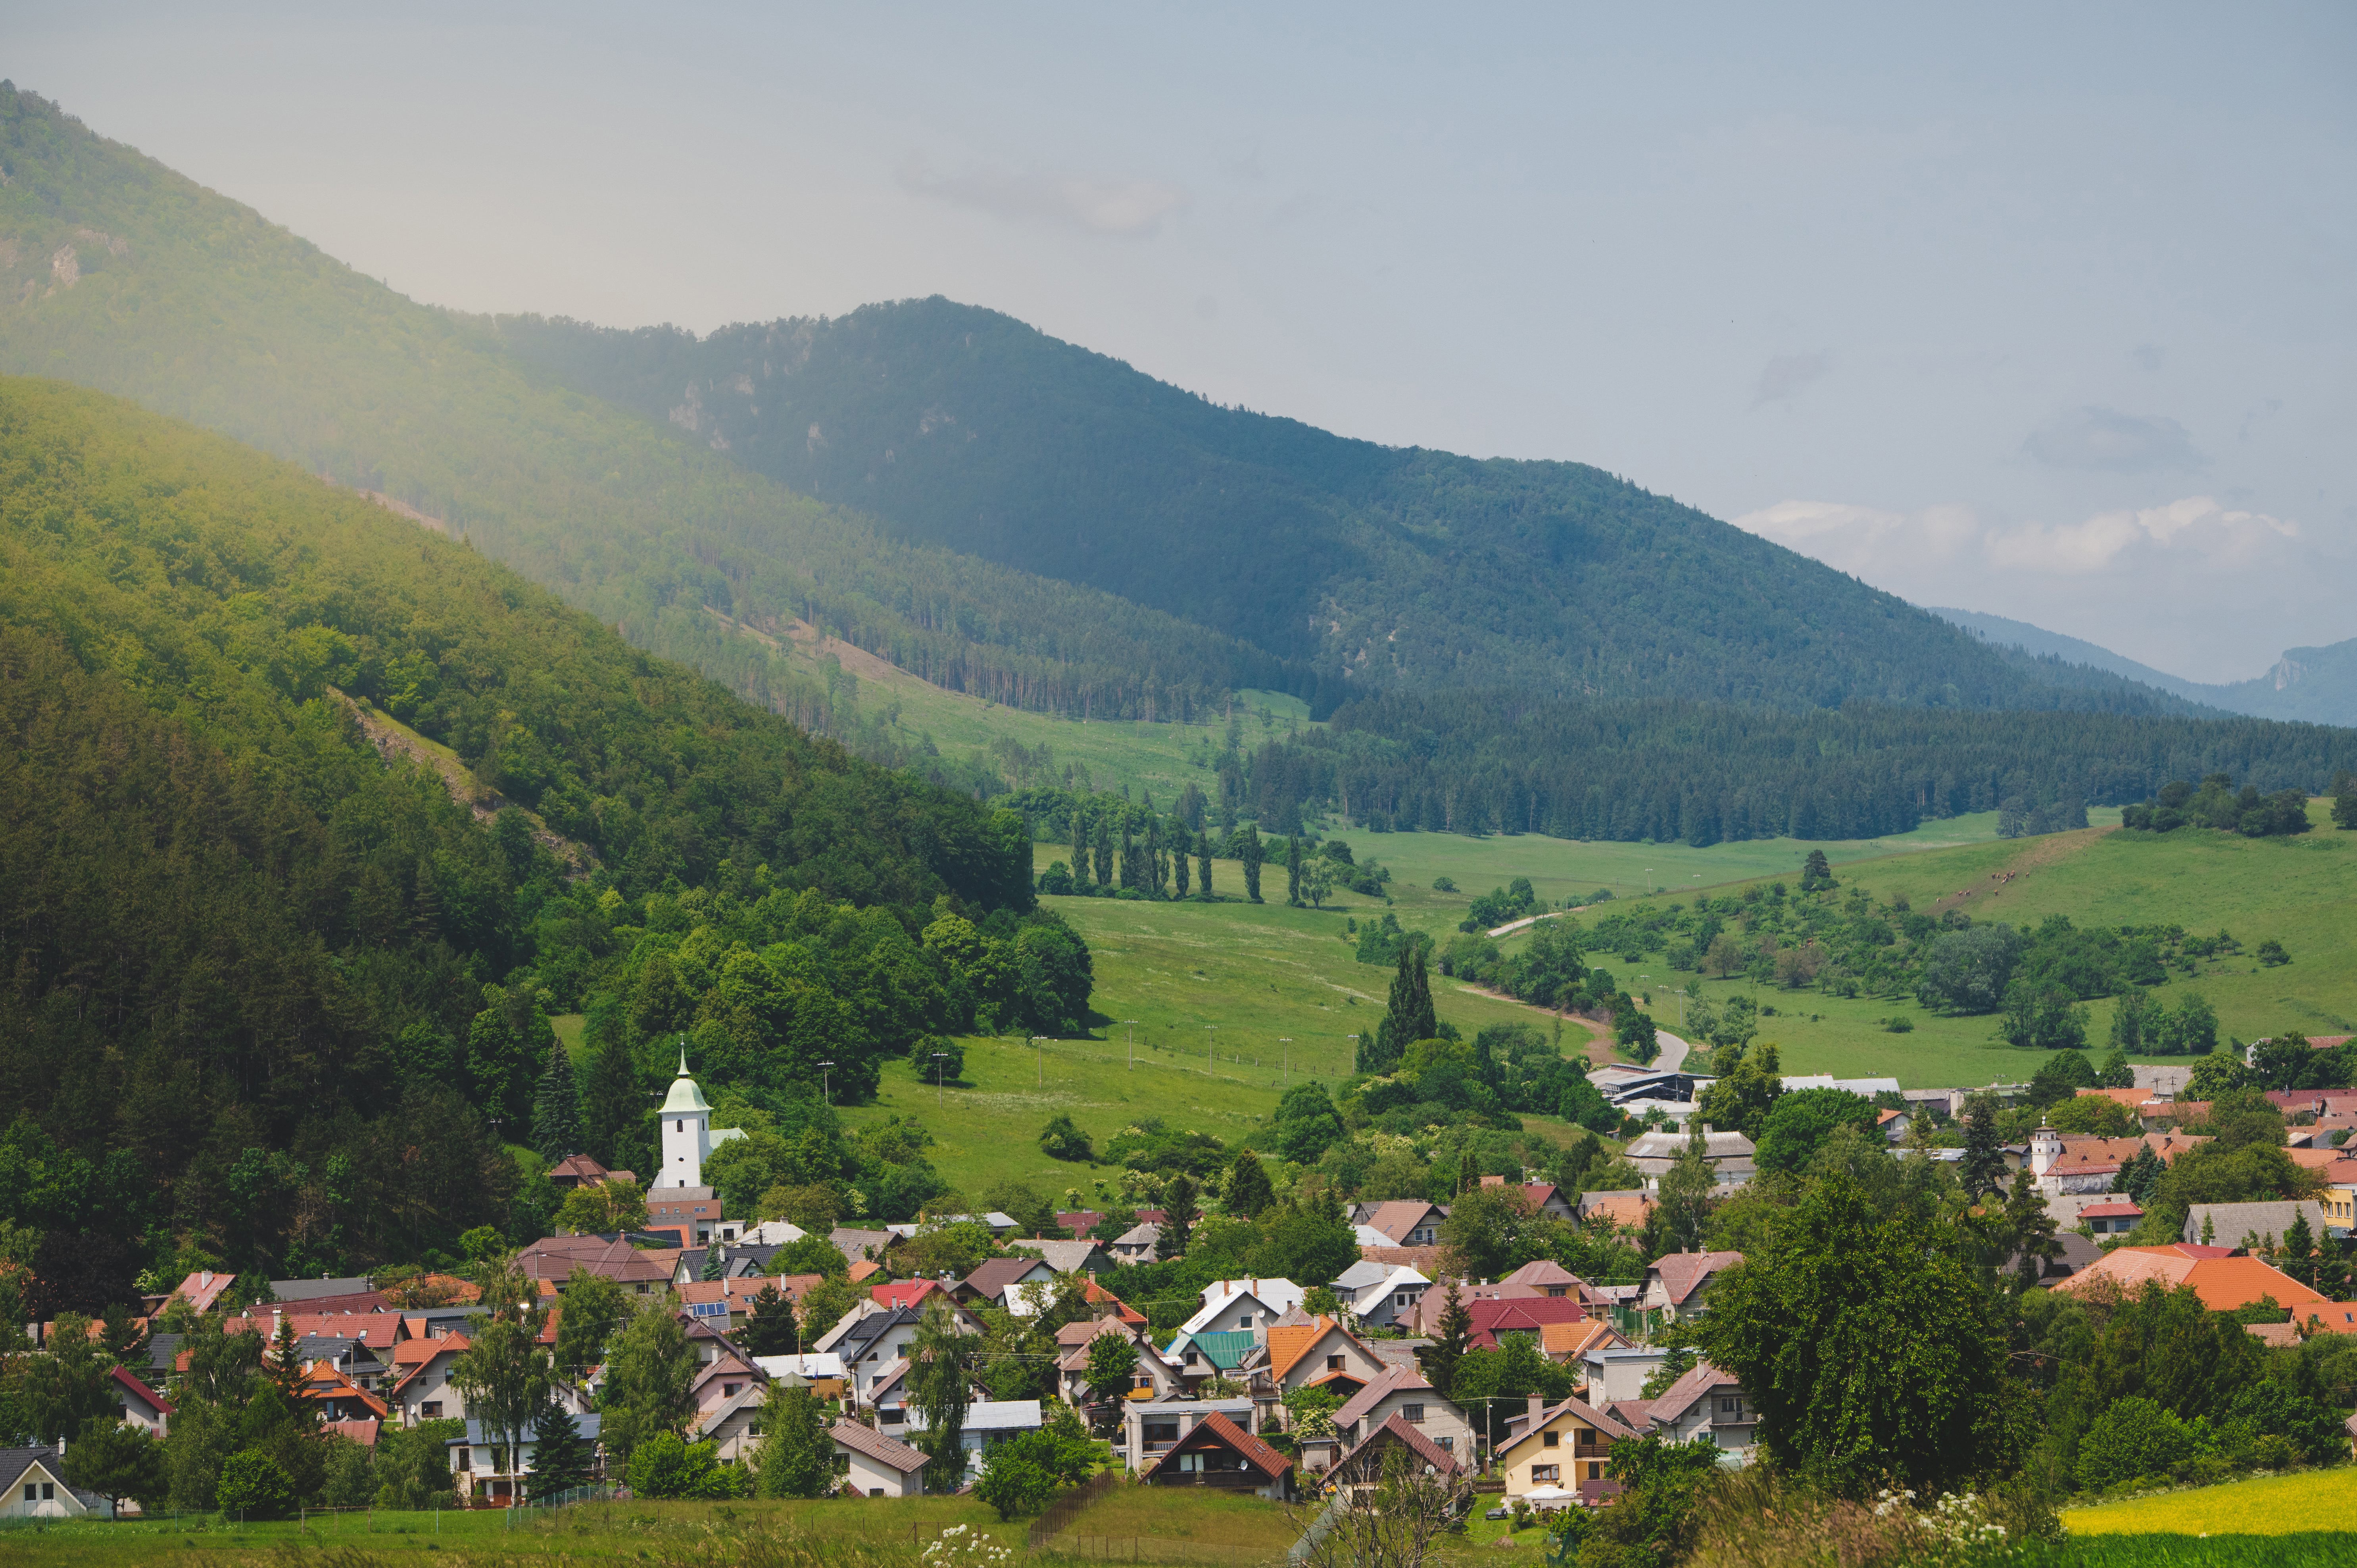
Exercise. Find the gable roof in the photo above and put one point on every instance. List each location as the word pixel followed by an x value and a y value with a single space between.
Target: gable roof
pixel 133 1386
pixel 1224 1350
pixel 1399 1377
pixel 2223 1283
pixel 1683 1274
pixel 904 1292
pixel 1543 1273
pixel 1518 1315
pixel 1398 1429
pixel 1570 1340
pixel 1611 1426
pixel 1700 1380
pixel 1398 1217
pixel 1259 1455
pixel 14 1462
pixel 1286 1345
pixel 856 1245
pixel 1070 1257
pixel 884 1450
pixel 1096 1294
pixel 993 1275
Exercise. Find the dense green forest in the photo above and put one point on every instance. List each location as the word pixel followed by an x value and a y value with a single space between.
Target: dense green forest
pixel 279 999
pixel 1666 770
pixel 124 276
pixel 1376 566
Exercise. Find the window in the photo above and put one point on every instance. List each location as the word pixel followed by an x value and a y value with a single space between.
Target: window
pixel 728 1390
pixel 875 1491
pixel 1448 1445
pixel 29 1493
pixel 1546 1473
pixel 1414 1412
pixel 431 1409
pixel 466 1458
pixel 1161 1431
pixel 1551 1440
pixel 1333 1363
pixel 1595 1472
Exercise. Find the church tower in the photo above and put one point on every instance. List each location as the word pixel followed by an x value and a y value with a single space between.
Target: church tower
pixel 687 1132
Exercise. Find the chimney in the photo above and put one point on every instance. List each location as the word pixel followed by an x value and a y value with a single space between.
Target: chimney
pixel 1538 1406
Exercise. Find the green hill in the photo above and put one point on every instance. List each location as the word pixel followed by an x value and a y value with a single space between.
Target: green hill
pixel 2317 684
pixel 124 276
pixel 1374 566
pixel 308 819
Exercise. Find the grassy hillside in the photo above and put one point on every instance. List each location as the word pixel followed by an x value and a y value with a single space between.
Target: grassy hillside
pixel 2300 891
pixel 126 276
pixel 1377 567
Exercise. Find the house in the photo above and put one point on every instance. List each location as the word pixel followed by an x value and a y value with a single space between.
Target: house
pixel 991 1283
pixel 733 1426
pixel 1216 1452
pixel 1615 1373
pixel 1401 1393
pixel 1199 1357
pixel 860 1246
pixel 1364 1465
pixel 1406 1223
pixel 2116 1218
pixel 723 1371
pixel 988 1423
pixel 1379 1293
pixel 910 1293
pixel 1543 1197
pixel 1243 1303
pixel 1627 1210
pixel 2060 1164
pixel 1548 1278
pixel 2073 1252
pixel 1151 1428
pixel 290 1291
pixel 2248 1225
pixel 728 1303
pixel 1078 1222
pixel 821 1372
pixel 1864 1088
pixel 639 1271
pixel 2222 1279
pixel 876 1466
pixel 1555 1454
pixel 1893 1126
pixel 772 1233
pixel 485 1472
pixel 1068 1257
pixel 1567 1344
pixel 1319 1354
pixel 1102 1302
pixel 1495 1317
pixel 1675 1286
pixel 423 1391
pixel 336 1397
pixel 1155 1376
pixel 580 1170
pixel 202 1291
pixel 1136 1244
pixel 693 1211
pixel 1703 1402
pixel 871 1345
pixel 140 1405
pixel 34 1487
pixel 1729 1155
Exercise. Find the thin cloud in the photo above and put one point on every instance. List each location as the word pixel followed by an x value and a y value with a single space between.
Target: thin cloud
pixel 1786 374
pixel 1877 544
pixel 2108 441
pixel 1128 209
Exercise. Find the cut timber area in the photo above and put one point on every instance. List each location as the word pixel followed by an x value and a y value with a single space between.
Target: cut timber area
pixel 393 738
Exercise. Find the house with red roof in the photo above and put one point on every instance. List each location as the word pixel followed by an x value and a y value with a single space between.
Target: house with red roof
pixel 2116 1218
pixel 140 1405
pixel 1675 1286
pixel 1216 1452
pixel 906 1292
pixel 1364 1465
pixel 2223 1281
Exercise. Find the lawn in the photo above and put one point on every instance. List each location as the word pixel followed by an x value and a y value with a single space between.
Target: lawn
pixel 2264 1505
pixel 1170 1524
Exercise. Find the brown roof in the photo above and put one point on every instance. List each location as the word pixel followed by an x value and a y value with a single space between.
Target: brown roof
pixel 1683 1274
pixel 1401 1216
pixel 1259 1455
pixel 555 1258
pixel 1400 1377
pixel 991 1279
pixel 1399 1429
pixel 1425 1261
pixel 360 1432
pixel 877 1446
pixel 1678 1398
pixel 1611 1426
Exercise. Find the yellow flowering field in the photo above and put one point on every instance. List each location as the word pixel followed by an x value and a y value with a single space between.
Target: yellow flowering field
pixel 2267 1505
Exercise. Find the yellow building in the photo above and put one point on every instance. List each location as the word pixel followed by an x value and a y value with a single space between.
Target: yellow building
pixel 1554 1452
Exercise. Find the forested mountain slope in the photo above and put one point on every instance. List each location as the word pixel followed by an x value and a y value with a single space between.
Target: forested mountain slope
pixel 119 274
pixel 2317 684
pixel 1383 567
pixel 276 998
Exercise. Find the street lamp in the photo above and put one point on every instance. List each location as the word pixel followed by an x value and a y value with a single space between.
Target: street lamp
pixel 938 1057
pixel 824 1091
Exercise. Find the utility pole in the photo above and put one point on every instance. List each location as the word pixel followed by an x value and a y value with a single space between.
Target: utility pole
pixel 825 1090
pixel 1133 1042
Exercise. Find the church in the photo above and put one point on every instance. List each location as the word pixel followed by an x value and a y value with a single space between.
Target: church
pixel 677 1194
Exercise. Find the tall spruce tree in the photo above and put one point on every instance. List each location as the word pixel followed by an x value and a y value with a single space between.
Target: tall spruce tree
pixel 1982 1170
pixel 561 1456
pixel 1131 871
pixel 1178 1220
pixel 1449 1344
pixel 1252 856
pixel 770 1328
pixel 614 1101
pixel 556 1108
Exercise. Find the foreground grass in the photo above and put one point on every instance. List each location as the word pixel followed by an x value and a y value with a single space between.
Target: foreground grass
pixel 2263 1504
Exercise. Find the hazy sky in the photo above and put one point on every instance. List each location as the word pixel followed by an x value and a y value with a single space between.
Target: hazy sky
pixel 2050 312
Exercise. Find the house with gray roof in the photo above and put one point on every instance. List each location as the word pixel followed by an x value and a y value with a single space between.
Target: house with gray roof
pixel 2248 1224
pixel 36 1489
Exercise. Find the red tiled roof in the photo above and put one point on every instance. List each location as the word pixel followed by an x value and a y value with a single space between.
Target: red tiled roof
pixel 133 1385
pixel 1399 1429
pixel 1683 1274
pixel 1530 1314
pixel 903 1293
pixel 2123 1209
pixel 363 1433
pixel 1259 1455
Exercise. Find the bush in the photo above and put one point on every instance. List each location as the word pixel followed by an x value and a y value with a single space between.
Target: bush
pixel 1056 879
pixel 1059 1140
pixel 1015 1486
pixel 2133 1439
pixel 951 1067
pixel 252 1486
pixel 663 1467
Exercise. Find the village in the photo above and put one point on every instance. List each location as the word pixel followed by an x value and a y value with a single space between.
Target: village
pixel 1290 1389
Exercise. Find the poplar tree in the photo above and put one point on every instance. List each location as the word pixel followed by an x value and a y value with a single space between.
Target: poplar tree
pixel 1293 869
pixel 1130 869
pixel 556 1108
pixel 1252 856
pixel 1104 851
pixel 1203 862
pixel 1179 847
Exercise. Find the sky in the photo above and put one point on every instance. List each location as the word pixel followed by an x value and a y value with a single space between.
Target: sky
pixel 2041 311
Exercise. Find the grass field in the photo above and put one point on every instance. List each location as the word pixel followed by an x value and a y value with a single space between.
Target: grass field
pixel 2264 1505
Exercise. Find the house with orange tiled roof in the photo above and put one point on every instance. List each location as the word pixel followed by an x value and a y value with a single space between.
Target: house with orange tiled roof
pixel 2222 1279
pixel 1320 1353
pixel 1566 1344
pixel 2060 1164
pixel 1628 1210
pixel 421 1389
pixel 336 1397
pixel 738 1295
pixel 1217 1453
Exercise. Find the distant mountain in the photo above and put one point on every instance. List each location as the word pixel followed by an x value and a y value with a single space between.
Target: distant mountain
pixel 2314 685
pixel 1379 567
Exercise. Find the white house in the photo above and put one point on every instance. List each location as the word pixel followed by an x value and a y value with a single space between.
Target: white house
pixel 37 1489
pixel 140 1405
pixel 987 1423
pixel 1705 1403
pixel 495 1474
pixel 876 1465
pixel 1247 1304
pixel 1380 1293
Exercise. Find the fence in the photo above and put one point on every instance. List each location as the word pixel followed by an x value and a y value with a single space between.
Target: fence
pixel 1067 1509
